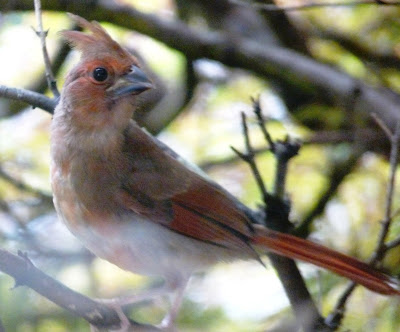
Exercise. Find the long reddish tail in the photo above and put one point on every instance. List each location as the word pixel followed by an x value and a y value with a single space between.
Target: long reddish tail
pixel 307 251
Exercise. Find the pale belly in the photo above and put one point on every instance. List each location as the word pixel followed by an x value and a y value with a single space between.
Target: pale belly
pixel 141 246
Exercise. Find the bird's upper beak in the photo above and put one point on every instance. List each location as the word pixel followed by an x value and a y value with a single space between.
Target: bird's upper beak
pixel 132 83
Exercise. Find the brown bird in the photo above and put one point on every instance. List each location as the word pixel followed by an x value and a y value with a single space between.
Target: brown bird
pixel 132 202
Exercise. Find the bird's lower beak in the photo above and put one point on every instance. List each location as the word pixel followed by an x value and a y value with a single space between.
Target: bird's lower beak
pixel 133 83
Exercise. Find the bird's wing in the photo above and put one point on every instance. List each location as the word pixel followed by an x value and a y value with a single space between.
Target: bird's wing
pixel 164 190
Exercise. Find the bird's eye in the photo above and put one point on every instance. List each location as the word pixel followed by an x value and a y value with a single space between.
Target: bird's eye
pixel 100 74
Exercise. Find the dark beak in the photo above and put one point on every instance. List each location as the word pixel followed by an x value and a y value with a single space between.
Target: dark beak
pixel 132 83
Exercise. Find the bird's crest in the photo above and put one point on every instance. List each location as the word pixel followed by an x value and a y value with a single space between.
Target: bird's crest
pixel 96 45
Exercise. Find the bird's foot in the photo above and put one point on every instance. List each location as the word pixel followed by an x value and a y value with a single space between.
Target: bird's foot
pixel 167 324
pixel 115 304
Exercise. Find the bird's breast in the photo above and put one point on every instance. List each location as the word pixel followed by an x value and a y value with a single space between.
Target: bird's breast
pixel 85 196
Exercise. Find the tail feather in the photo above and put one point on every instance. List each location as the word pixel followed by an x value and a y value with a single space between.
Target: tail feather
pixel 307 251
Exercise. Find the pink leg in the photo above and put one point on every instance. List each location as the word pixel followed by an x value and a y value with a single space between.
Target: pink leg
pixel 175 290
pixel 176 301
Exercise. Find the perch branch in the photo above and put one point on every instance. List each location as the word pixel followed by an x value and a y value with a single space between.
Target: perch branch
pixel 26 274
pixel 30 97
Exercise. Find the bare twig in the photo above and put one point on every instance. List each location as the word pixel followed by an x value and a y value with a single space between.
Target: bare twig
pixel 358 46
pixel 394 157
pixel 33 98
pixel 248 157
pixel 369 136
pixel 25 273
pixel 275 8
pixel 283 152
pixel 392 244
pixel 51 81
pixel 261 123
pixel 35 247
pixel 24 187
pixel 39 85
pixel 338 173
pixel 305 310
pixel 340 168
pixel 29 239
pixel 335 318
pixel 383 126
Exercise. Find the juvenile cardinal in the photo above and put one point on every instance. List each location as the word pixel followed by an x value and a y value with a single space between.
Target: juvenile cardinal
pixel 133 203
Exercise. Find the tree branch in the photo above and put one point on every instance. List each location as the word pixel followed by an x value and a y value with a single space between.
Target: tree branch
pixel 381 249
pixel 358 45
pixel 338 173
pixel 295 69
pixel 369 137
pixel 25 273
pixel 314 5
pixel 30 97
pixel 301 301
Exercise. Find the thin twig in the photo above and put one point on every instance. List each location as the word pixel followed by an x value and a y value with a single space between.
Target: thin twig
pixel 30 240
pixel 368 136
pixel 51 81
pixel 33 244
pixel 394 157
pixel 339 171
pixel 24 187
pixel 32 98
pixel 248 157
pixel 383 126
pixel 275 8
pixel 282 150
pixel 261 123
pixel 392 244
pixel 335 318
pixel 275 211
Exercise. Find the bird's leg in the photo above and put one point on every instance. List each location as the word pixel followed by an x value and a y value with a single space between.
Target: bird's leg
pixel 115 305
pixel 125 325
pixel 176 301
pixel 150 294
pixel 118 302
pixel 174 289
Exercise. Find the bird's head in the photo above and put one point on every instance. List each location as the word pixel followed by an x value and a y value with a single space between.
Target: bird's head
pixel 107 77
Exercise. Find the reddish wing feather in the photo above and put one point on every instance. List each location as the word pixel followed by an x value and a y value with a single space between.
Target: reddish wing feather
pixel 199 209
pixel 208 200
pixel 202 211
pixel 207 214
pixel 200 227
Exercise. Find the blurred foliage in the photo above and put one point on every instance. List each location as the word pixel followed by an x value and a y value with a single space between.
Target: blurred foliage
pixel 202 133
